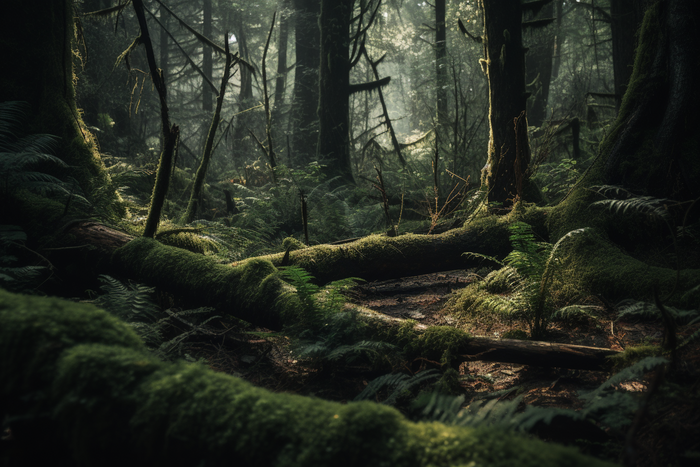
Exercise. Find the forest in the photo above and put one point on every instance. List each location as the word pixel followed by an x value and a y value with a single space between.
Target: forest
pixel 349 232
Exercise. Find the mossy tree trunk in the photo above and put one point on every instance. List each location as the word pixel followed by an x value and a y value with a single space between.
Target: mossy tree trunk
pixel 509 149
pixel 334 91
pixel 304 113
pixel 651 149
pixel 36 39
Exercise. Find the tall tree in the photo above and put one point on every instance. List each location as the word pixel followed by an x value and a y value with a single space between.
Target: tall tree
pixel 207 59
pixel 539 59
pixel 39 71
pixel 334 90
pixel 508 150
pixel 441 65
pixel 304 116
pixel 281 79
pixel 626 17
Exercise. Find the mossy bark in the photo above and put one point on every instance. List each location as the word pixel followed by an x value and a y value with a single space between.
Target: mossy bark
pixel 79 381
pixel 36 39
pixel 651 149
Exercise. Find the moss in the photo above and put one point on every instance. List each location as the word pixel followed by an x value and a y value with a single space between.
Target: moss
pixel 252 291
pixel 632 355
pixel 595 265
pixel 34 332
pixel 112 403
pixel 292 244
pixel 475 301
pixel 189 241
pixel 378 256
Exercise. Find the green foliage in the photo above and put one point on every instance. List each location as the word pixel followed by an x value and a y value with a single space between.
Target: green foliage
pixel 392 388
pixel 133 303
pixel 531 267
pixel 628 202
pixel 325 331
pixel 12 277
pixel 24 160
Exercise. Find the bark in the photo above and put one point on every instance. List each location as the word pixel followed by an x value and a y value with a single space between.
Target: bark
pixel 626 18
pixel 281 80
pixel 334 91
pixel 545 354
pixel 207 59
pixel 441 68
pixel 37 58
pixel 539 63
pixel 304 117
pixel 509 149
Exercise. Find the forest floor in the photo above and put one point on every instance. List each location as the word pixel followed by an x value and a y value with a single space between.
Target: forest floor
pixel 265 359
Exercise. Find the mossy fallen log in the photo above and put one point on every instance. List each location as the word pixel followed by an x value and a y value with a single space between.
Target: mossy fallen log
pixel 252 291
pixel 380 257
pixel 79 383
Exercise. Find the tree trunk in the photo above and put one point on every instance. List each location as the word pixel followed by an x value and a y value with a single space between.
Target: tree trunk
pixel 509 149
pixel 281 80
pixel 539 63
pixel 304 116
pixel 441 69
pixel 241 146
pixel 626 17
pixel 207 61
pixel 334 91
pixel 251 293
pixel 651 147
pixel 39 70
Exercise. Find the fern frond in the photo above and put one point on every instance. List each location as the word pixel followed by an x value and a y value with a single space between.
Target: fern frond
pixel 655 207
pixel 398 383
pixel 635 371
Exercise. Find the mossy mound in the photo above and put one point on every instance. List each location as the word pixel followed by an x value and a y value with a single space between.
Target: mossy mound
pixel 109 402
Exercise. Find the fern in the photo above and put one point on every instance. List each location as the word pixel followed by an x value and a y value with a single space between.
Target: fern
pixel 631 203
pixel 534 265
pixel 13 277
pixel 133 304
pixel 21 156
pixel 130 303
pixel 398 384
pixel 638 310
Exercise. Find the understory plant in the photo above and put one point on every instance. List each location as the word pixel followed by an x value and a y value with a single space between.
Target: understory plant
pixel 531 269
pixel 327 330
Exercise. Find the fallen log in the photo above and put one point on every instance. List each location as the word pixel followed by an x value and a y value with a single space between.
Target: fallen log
pixel 251 291
pixel 537 353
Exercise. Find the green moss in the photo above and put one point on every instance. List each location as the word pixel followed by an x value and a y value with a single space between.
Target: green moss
pixel 189 241
pixel 632 355
pixel 252 291
pixel 111 403
pixel 595 265
pixel 35 331
pixel 292 244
